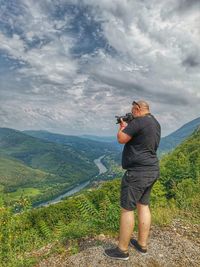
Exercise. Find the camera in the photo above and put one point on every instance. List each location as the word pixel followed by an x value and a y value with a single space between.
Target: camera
pixel 127 118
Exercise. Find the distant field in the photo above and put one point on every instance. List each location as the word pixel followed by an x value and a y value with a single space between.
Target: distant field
pixel 29 192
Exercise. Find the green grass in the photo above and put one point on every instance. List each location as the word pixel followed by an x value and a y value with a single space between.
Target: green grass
pixel 14 174
pixel 28 192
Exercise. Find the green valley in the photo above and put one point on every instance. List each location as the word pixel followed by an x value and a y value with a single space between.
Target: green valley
pixel 47 168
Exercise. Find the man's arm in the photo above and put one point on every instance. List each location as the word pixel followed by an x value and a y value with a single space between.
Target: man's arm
pixel 122 137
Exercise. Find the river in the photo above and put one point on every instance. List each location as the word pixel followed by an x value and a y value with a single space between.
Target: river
pixel 102 169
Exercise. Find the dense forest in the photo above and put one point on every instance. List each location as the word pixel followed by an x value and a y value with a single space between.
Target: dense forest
pixel 96 210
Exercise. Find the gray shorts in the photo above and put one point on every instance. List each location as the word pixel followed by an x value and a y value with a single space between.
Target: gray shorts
pixel 136 188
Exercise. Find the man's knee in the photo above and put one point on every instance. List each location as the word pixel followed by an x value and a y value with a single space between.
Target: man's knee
pixel 141 206
pixel 123 210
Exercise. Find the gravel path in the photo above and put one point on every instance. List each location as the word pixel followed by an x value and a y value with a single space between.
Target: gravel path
pixel 177 246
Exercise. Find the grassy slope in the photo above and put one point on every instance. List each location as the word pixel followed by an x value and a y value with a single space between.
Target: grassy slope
pixel 17 179
pixel 30 162
pixel 61 160
pixel 47 163
pixel 15 174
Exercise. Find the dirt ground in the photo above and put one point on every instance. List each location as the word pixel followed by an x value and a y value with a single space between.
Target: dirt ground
pixel 176 245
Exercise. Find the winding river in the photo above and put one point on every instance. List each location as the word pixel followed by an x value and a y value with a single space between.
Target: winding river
pixel 102 169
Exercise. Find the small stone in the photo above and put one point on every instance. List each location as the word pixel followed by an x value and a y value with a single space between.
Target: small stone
pixel 101 237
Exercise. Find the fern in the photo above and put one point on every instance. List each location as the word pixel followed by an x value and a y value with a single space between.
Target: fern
pixel 60 229
pixel 87 209
pixel 46 232
pixel 112 219
pixel 103 207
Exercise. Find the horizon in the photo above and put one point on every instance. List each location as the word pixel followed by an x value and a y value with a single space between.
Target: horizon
pixel 89 134
pixel 73 65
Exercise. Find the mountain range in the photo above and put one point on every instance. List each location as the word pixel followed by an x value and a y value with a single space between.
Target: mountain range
pixel 167 143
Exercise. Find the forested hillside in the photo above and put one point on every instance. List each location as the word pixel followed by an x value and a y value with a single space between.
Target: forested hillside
pixel 183 163
pixel 169 142
pixel 91 148
pixel 100 138
pixel 180 175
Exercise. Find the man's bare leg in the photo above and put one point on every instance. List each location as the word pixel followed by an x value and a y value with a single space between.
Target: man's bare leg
pixel 126 228
pixel 144 224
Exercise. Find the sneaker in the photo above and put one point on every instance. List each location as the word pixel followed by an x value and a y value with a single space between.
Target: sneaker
pixel 116 253
pixel 137 246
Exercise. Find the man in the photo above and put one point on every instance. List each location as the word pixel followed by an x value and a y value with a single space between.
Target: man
pixel 141 138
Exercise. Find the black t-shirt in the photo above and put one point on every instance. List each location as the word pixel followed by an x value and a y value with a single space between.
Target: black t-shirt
pixel 140 152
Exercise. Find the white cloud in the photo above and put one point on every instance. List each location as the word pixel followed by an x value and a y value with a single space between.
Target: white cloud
pixel 151 51
pixel 51 60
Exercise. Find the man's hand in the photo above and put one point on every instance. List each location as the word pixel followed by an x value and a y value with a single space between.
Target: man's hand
pixel 123 124
pixel 122 137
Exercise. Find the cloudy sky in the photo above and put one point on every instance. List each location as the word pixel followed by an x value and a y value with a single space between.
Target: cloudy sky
pixel 70 66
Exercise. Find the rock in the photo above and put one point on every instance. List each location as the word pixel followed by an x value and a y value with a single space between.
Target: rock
pixel 101 237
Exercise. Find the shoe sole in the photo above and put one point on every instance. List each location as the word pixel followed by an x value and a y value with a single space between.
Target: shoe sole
pixel 114 258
